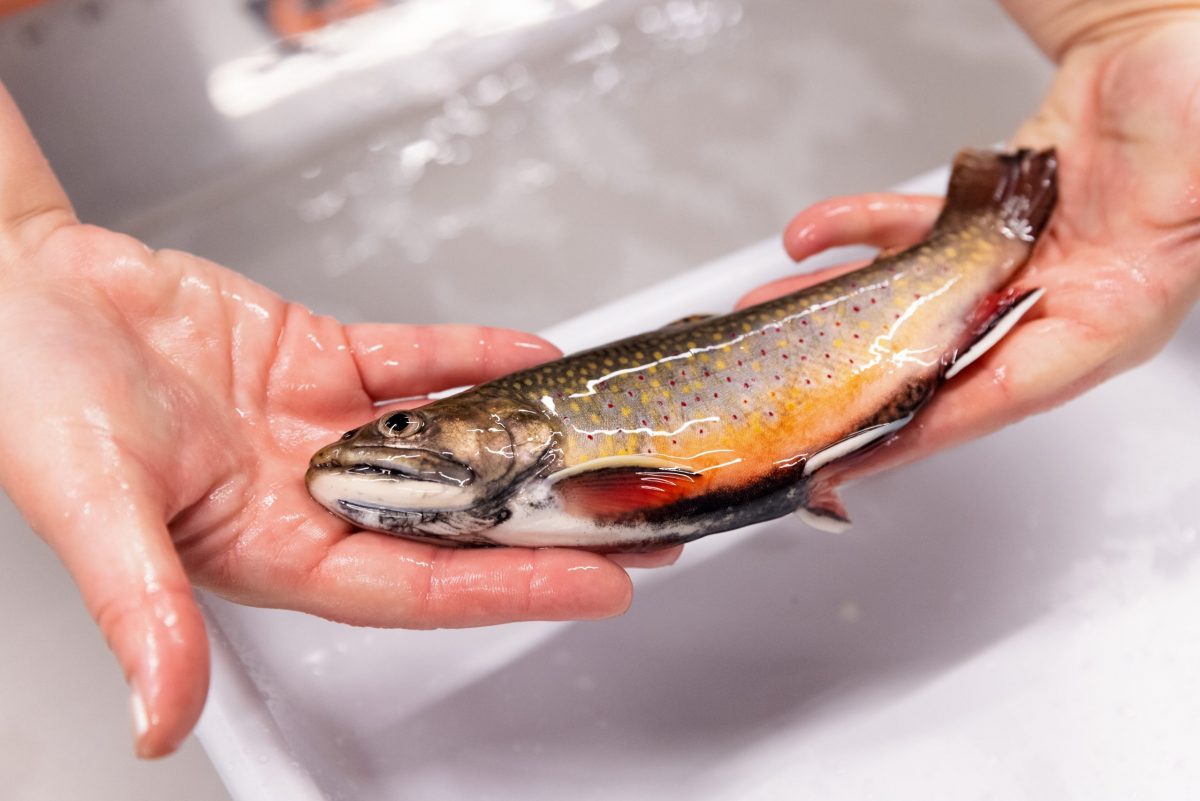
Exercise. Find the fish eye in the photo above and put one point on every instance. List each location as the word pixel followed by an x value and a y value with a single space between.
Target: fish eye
pixel 347 435
pixel 400 424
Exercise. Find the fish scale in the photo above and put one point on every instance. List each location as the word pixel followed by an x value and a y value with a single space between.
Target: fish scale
pixel 713 423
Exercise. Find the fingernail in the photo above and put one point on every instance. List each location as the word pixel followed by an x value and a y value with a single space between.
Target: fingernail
pixel 141 720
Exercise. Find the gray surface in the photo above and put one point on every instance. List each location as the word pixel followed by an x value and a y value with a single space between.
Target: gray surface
pixel 703 142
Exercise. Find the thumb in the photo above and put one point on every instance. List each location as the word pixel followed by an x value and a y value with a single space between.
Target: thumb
pixel 32 202
pixel 109 532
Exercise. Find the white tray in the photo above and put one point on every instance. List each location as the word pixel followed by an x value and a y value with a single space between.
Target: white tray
pixel 1019 618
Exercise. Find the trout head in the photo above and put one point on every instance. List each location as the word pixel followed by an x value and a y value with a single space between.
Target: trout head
pixel 442 473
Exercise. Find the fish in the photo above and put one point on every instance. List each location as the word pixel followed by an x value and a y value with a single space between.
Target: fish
pixel 711 423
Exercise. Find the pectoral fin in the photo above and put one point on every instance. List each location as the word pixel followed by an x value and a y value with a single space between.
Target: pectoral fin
pixel 995 317
pixel 617 486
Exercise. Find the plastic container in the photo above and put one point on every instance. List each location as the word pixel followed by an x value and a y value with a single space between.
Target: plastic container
pixel 1016 618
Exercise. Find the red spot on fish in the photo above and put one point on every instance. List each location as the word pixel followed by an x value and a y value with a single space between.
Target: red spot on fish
pixel 856 308
pixel 610 405
pixel 716 394
pixel 641 378
pixel 666 417
pixel 707 374
pixel 826 355
pixel 590 436
pixel 684 403
pixel 804 322
pixel 645 423
pixel 807 381
pixel 629 393
pixel 852 361
pixel 803 358
pixel 747 386
pixel 872 300
pixel 660 403
pixel 854 285
pixel 683 373
pixel 762 353
pixel 735 417
pixel 837 323
pixel 728 379
pixel 745 401
pixel 856 336
pixel 672 383
pixel 739 362
pixel 777 378
pixel 916 294
pixel 702 431
pixel 897 315
pixel 820 333
pixel 801 341
pixel 829 375
pixel 674 442
pixel 785 355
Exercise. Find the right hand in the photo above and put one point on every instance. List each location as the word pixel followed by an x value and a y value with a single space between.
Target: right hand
pixel 159 413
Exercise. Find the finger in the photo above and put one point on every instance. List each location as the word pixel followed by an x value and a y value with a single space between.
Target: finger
pixel 660 558
pixel 117 549
pixel 882 220
pixel 32 202
pixel 794 283
pixel 371 579
pixel 1040 364
pixel 397 361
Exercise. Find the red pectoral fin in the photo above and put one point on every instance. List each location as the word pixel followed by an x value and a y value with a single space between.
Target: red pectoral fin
pixel 615 492
pixel 994 318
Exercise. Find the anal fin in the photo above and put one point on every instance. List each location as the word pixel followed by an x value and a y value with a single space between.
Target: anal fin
pixel 995 317
pixel 824 510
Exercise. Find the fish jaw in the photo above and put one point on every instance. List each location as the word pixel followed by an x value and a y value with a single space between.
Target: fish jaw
pixel 408 492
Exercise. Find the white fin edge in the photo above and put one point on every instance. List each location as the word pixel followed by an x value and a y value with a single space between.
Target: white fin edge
pixel 988 340
pixel 615 462
pixel 852 443
pixel 821 522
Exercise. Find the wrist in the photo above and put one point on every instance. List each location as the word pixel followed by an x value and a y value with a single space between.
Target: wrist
pixel 1060 27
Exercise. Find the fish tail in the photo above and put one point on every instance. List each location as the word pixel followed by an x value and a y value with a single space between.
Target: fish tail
pixel 1016 190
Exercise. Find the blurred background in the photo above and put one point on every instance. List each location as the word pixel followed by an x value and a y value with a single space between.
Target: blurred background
pixel 508 163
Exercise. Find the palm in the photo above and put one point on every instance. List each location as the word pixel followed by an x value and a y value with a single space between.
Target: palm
pixel 208 393
pixel 1118 262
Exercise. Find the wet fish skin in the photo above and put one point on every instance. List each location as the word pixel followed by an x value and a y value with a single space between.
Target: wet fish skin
pixel 715 423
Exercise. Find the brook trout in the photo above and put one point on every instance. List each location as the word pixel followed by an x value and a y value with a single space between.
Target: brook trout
pixel 711 423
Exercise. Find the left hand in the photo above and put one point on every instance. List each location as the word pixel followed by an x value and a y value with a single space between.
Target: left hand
pixel 1120 261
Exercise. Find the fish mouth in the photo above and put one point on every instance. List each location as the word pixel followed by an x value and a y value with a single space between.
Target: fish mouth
pixel 394 464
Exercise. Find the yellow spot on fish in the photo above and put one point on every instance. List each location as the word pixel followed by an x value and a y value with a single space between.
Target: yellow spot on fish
pixel 720 365
pixel 626 411
pixel 596 419
pixel 575 407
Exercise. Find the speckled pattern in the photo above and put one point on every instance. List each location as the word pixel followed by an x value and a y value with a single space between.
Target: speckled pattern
pixel 708 424
pixel 736 397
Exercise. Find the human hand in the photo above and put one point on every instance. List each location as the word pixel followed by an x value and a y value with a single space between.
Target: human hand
pixel 160 412
pixel 1120 261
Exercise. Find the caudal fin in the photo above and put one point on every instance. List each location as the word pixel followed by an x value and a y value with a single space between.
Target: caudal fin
pixel 1017 190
